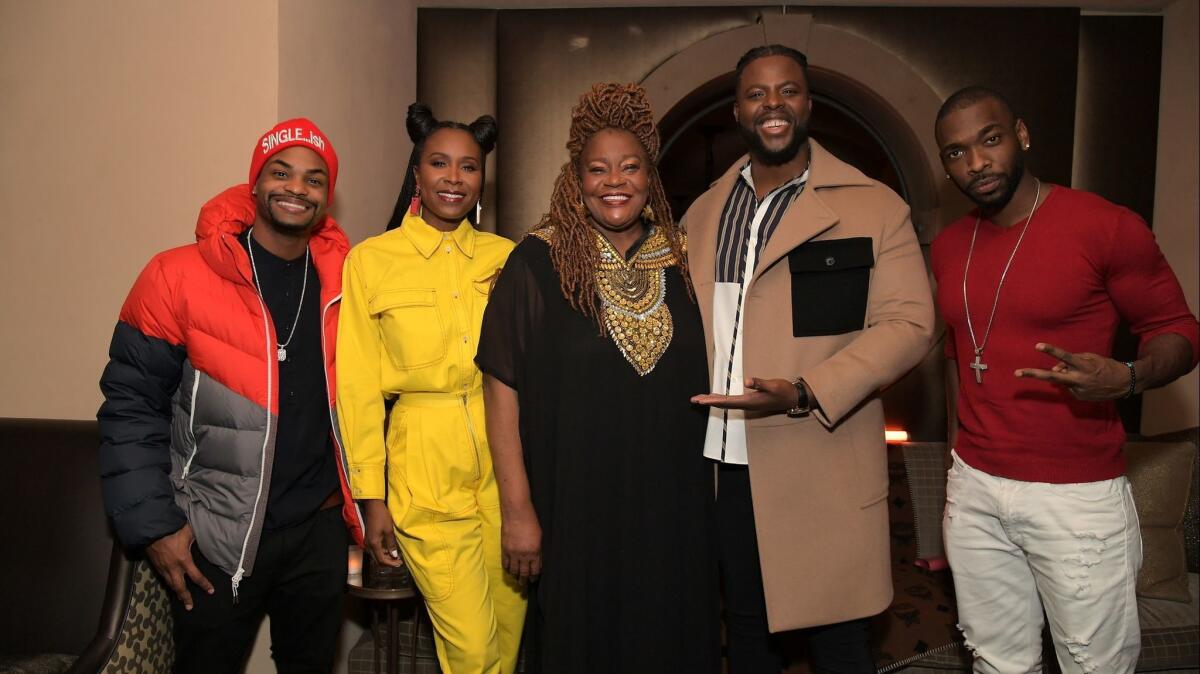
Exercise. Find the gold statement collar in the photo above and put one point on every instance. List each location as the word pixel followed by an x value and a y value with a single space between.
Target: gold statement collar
pixel 633 297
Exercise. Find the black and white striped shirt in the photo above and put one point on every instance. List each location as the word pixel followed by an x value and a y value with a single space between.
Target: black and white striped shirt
pixel 745 227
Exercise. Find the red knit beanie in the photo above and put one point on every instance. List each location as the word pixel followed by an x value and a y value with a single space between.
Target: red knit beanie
pixel 298 131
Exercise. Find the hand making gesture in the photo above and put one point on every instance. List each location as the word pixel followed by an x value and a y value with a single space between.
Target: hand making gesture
pixel 1086 376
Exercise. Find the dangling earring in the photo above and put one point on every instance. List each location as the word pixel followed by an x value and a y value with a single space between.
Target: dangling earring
pixel 648 214
pixel 947 176
pixel 414 206
pixel 478 211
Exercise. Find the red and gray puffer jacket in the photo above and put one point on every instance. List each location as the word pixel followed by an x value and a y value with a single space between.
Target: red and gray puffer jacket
pixel 188 423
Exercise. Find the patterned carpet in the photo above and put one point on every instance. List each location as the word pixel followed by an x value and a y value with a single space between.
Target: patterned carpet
pixel 922 616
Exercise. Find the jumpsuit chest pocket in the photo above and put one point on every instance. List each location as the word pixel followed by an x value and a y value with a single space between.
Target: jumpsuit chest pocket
pixel 830 284
pixel 410 326
pixel 481 288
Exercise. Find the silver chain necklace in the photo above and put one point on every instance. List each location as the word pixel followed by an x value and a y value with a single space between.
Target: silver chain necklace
pixel 979 366
pixel 280 349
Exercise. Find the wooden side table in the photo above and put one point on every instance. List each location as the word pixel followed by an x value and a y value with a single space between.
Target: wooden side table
pixel 386 594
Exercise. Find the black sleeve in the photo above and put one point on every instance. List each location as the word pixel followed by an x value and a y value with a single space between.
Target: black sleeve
pixel 513 313
pixel 142 375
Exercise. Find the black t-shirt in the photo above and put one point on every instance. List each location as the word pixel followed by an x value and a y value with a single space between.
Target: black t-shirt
pixel 303 474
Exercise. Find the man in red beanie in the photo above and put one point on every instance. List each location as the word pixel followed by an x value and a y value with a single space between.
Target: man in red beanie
pixel 219 455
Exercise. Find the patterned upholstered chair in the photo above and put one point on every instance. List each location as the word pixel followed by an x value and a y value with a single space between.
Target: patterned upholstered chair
pixel 134 635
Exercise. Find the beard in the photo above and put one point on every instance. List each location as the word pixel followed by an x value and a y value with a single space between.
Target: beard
pixel 997 200
pixel 766 155
pixel 285 226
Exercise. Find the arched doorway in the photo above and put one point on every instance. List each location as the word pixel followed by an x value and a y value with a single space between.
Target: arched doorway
pixel 700 141
pixel 878 86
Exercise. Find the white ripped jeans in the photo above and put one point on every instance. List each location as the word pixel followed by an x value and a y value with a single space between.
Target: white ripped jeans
pixel 1015 547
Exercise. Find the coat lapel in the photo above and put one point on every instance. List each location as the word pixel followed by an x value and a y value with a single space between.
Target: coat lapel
pixel 703 220
pixel 809 216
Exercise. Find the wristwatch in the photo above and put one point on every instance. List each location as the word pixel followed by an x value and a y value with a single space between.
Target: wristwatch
pixel 803 402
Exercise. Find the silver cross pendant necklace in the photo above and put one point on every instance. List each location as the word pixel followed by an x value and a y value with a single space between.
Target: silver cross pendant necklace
pixel 979 366
pixel 281 349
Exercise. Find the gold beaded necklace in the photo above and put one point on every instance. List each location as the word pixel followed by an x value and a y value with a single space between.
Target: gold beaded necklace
pixel 633 296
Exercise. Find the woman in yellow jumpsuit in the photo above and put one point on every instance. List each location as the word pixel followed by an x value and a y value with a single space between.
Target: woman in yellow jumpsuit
pixel 412 304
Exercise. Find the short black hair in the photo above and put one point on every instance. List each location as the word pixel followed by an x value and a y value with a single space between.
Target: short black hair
pixel 764 51
pixel 970 95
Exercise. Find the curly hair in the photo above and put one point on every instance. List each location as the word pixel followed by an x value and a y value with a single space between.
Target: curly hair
pixel 573 247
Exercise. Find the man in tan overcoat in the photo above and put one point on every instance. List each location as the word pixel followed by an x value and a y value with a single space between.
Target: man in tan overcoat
pixel 814 296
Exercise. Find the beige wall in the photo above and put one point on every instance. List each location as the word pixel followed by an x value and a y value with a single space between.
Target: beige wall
pixel 121 118
pixel 1176 197
pixel 117 126
pixel 351 67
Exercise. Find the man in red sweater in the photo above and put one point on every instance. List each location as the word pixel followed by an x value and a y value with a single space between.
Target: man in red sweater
pixel 1031 286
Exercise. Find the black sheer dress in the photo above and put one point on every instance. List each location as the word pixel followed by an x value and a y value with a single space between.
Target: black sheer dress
pixel 622 491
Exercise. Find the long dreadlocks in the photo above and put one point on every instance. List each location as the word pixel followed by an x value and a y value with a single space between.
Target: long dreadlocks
pixel 573 248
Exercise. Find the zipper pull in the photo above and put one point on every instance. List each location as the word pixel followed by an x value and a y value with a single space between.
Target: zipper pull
pixel 235 581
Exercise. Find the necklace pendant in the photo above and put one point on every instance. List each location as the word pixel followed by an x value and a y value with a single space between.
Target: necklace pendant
pixel 979 366
pixel 281 354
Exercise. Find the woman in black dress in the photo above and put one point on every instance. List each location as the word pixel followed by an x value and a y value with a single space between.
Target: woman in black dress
pixel 591 347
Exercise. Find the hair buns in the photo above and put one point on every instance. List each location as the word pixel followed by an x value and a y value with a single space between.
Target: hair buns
pixel 420 122
pixel 484 129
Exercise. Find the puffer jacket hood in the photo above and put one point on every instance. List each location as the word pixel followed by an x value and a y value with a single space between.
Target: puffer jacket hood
pixel 224 217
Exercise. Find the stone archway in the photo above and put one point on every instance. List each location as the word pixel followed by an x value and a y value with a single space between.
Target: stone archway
pixel 885 90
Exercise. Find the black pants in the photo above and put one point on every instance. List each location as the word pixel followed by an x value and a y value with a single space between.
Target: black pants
pixel 843 648
pixel 299 579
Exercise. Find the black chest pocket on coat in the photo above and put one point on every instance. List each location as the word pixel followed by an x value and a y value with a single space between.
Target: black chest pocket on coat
pixel 830 280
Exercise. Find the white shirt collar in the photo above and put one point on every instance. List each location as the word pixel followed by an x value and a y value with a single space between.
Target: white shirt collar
pixel 746 175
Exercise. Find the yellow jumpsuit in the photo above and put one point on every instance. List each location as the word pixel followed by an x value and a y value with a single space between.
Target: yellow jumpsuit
pixel 411 310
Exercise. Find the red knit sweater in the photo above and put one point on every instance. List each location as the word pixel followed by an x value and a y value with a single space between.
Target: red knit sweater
pixel 1084 264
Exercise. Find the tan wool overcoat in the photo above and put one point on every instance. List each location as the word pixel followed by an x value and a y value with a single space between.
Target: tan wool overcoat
pixel 840 297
